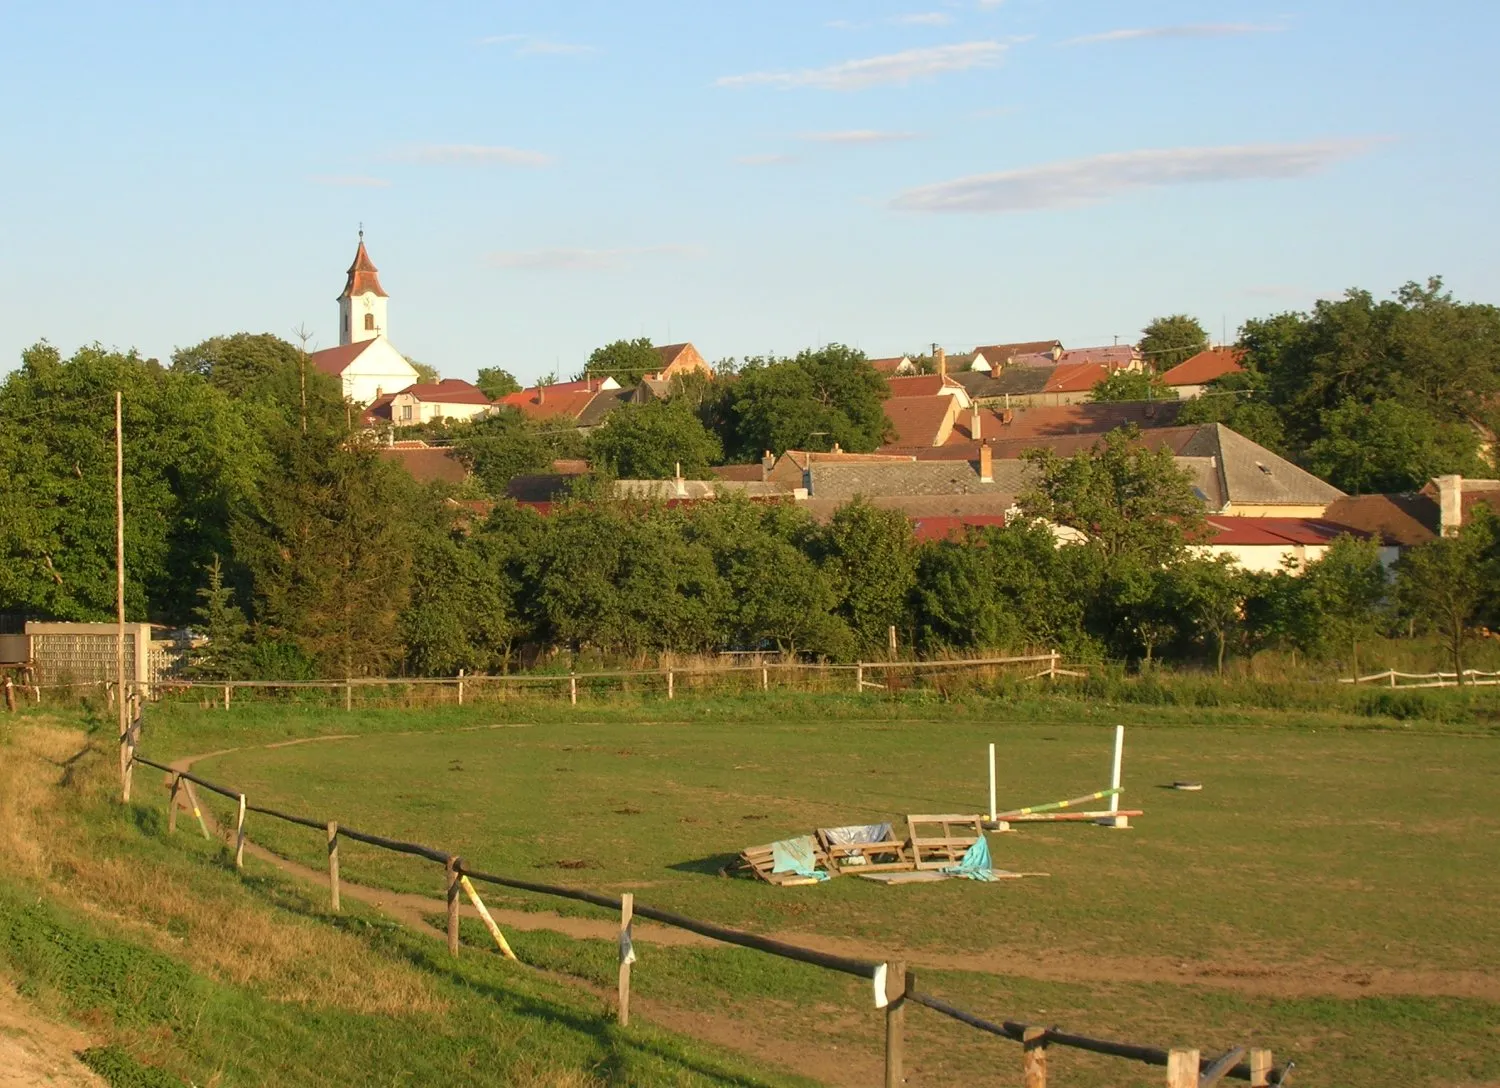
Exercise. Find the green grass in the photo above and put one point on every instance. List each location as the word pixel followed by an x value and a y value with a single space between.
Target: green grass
pixel 1325 847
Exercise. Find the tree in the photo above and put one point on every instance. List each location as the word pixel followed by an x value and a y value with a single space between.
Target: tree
pixel 1210 595
pixel 1345 590
pixel 626 361
pixel 1389 446
pixel 427 375
pixel 1143 596
pixel 1167 341
pixel 648 442
pixel 495 383
pixel 270 379
pixel 224 652
pixel 1238 402
pixel 831 396
pixel 1130 385
pixel 1449 584
pixel 328 544
pixel 1127 499
pixel 868 552
pixel 191 458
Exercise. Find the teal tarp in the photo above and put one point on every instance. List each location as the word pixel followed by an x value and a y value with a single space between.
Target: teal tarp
pixel 975 864
pixel 796 856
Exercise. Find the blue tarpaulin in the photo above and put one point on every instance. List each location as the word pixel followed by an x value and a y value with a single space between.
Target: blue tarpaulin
pixel 797 856
pixel 975 864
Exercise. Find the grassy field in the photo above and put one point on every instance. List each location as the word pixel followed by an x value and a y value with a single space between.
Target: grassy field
pixel 1331 893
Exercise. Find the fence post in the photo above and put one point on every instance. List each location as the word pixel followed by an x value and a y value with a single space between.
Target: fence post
pixel 1034 1058
pixel 1052 667
pixel 226 696
pixel 1182 1069
pixel 573 688
pixel 239 837
pixel 460 687
pixel 1260 1068
pixel 348 695
pixel 10 696
pixel 452 872
pixel 1393 677
pixel 172 803
pixel 627 956
pixel 670 684
pixel 895 1023
pixel 859 677
pixel 765 678
pixel 333 862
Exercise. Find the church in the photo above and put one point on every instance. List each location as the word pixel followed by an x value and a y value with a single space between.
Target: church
pixel 365 361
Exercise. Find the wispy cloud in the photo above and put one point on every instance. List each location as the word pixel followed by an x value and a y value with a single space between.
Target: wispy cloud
pixel 350 181
pixel 922 18
pixel 859 136
pixel 1090 181
pixel 473 155
pixel 581 259
pixel 1185 30
pixel 892 68
pixel 532 45
pixel 774 158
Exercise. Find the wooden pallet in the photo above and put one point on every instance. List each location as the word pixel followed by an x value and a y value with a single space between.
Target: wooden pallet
pixel 947 849
pixel 760 862
pixel 864 857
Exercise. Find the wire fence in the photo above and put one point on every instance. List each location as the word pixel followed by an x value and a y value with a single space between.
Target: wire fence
pixel 893 986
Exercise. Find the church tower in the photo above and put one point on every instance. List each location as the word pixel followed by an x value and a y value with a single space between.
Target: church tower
pixel 362 306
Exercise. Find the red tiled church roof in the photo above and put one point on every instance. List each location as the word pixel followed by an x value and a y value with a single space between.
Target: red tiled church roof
pixel 364 277
pixel 335 361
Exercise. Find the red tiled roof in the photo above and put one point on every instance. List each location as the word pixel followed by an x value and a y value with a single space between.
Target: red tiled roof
pixel 920 385
pixel 888 367
pixel 550 403
pixel 1066 419
pixel 1075 377
pixel 364 278
pixel 447 391
pixel 745 473
pixel 429 465
pixel 379 409
pixel 1275 531
pixel 670 352
pixel 940 528
pixel 999 353
pixel 1205 367
pixel 335 361
pixel 918 420
pixel 1400 520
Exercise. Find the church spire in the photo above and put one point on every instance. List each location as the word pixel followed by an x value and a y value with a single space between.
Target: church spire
pixel 364 277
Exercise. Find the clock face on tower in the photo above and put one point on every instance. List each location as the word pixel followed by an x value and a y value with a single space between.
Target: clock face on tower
pixel 369 302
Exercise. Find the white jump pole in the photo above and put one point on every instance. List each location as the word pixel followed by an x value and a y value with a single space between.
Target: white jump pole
pixel 1113 819
pixel 993 810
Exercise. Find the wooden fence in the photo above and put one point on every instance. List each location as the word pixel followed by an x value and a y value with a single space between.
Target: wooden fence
pixel 893 985
pixel 1395 679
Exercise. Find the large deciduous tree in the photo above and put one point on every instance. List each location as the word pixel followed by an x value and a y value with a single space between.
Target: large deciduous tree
pixel 1131 385
pixel 1452 584
pixel 822 398
pixel 651 441
pixel 495 383
pixel 626 361
pixel 1167 341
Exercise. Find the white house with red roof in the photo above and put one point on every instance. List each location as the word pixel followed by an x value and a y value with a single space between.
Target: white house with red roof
pixel 365 362
pixel 1191 375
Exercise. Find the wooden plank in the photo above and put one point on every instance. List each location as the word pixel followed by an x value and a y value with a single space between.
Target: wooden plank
pixel 239 836
pixel 1182 1068
pixel 192 796
pixel 1034 1057
pixel 627 956
pixel 485 917
pixel 1260 1068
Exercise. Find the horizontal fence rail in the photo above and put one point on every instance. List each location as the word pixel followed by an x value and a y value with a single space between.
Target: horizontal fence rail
pixel 1396 679
pixel 893 984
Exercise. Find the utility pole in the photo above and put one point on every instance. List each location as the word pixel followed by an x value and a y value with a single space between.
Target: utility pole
pixel 121 703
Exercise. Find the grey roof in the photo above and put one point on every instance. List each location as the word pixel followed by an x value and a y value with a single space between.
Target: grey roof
pixel 1255 476
pixel 1207 483
pixel 840 482
pixel 1019 381
pixel 603 403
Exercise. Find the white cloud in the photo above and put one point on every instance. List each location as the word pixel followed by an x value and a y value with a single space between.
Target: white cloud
pixel 1187 30
pixel 474 155
pixel 531 45
pixel 773 158
pixel 922 18
pixel 859 136
pixel 582 259
pixel 1090 181
pixel 350 181
pixel 897 68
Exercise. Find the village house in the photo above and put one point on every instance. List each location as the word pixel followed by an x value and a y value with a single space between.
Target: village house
pixel 1190 376
pixel 365 362
pixel 680 360
pixel 451 399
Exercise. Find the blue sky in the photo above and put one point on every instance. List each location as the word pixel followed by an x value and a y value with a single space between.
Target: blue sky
pixel 538 178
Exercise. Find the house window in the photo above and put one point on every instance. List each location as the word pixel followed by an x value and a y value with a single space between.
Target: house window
pixel 406 413
pixel 369 322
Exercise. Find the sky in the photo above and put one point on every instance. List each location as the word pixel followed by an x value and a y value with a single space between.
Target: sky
pixel 539 178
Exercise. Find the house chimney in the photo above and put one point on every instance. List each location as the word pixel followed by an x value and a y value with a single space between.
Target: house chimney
pixel 541 394
pixel 986 463
pixel 976 426
pixel 836 448
pixel 767 463
pixel 942 363
pixel 681 484
pixel 1450 504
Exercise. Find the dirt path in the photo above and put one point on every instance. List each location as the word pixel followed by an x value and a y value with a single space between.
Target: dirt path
pixel 36 1052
